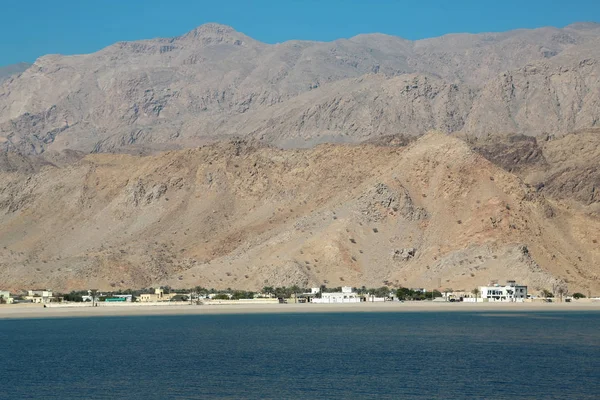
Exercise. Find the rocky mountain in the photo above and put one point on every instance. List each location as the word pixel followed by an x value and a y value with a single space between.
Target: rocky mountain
pixel 213 159
pixel 215 83
pixel 11 70
pixel 433 213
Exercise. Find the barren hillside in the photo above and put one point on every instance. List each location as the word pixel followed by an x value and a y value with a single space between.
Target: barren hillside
pixel 214 83
pixel 433 213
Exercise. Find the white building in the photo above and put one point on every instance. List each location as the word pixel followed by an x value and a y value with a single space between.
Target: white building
pixel 5 295
pixel 345 296
pixel 39 296
pixel 511 292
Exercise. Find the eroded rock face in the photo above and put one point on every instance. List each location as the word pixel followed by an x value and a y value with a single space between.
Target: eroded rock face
pixel 513 153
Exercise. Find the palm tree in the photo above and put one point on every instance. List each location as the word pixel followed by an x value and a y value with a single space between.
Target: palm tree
pixel 561 290
pixel 295 290
pixel 476 293
pixel 93 292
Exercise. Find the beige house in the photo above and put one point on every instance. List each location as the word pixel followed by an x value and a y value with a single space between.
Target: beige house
pixel 158 296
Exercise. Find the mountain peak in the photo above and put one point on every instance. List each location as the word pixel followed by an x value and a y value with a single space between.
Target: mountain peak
pixel 210 29
pixel 213 33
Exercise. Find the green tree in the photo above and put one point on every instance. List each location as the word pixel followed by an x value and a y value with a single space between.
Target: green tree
pixel 578 296
pixel 546 293
pixel 475 293
pixel 282 292
pixel 240 294
pixel 405 294
pixel 73 296
pixel 383 291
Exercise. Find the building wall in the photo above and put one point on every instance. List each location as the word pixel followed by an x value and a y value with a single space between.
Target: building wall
pixel 148 298
pixel 40 293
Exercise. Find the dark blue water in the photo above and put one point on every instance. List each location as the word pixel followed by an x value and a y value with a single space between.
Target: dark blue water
pixel 304 356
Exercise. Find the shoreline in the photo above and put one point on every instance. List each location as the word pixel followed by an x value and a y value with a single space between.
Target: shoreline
pixel 38 311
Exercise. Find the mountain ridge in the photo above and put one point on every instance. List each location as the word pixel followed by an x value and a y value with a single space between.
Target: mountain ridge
pixel 185 90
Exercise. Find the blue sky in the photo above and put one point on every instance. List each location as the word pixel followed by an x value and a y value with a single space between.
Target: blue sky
pixel 36 27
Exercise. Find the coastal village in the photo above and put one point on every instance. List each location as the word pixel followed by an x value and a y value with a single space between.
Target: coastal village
pixel 509 292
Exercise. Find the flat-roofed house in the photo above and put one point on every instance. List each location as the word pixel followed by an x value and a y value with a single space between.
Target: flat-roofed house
pixel 5 297
pixel 347 295
pixel 40 296
pixel 511 292
pixel 158 296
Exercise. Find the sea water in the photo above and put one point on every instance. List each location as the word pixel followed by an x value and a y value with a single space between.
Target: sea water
pixel 450 355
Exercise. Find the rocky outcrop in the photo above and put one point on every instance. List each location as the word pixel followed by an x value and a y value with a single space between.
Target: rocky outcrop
pixel 404 254
pixel 563 168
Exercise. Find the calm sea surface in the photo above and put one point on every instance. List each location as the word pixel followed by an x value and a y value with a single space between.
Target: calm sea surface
pixel 452 355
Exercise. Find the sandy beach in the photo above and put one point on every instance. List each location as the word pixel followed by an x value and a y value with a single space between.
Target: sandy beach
pixel 38 311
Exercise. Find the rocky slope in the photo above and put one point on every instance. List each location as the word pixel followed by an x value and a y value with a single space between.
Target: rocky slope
pixel 564 168
pixel 433 213
pixel 215 83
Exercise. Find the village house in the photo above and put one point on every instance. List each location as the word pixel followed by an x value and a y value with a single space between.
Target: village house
pixel 511 292
pixel 307 297
pixel 5 297
pixel 41 296
pixel 159 295
pixel 347 295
